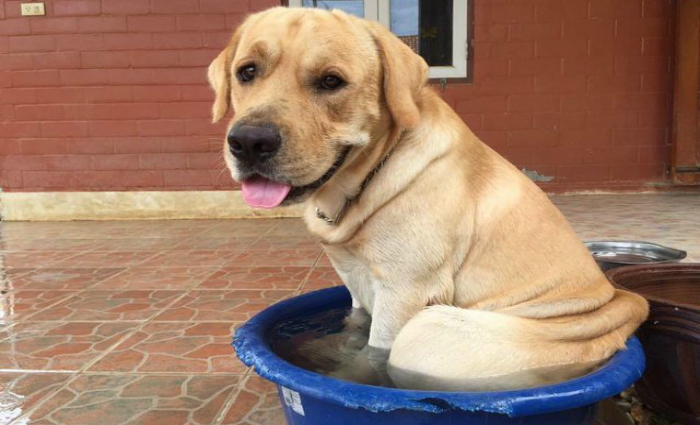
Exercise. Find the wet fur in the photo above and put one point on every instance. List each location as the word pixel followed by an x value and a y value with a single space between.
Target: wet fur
pixel 473 279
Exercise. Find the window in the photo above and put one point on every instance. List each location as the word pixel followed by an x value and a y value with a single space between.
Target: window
pixel 435 29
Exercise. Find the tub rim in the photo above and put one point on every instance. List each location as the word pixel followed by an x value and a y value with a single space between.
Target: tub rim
pixel 251 346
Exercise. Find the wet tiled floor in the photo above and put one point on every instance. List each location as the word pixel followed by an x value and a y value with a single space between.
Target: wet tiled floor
pixel 130 322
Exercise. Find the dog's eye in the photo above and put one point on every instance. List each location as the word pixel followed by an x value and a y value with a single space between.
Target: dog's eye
pixel 331 82
pixel 246 73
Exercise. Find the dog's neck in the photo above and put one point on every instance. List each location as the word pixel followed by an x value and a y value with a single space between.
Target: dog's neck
pixel 327 207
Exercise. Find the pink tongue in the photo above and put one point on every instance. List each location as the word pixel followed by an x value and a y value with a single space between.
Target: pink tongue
pixel 260 192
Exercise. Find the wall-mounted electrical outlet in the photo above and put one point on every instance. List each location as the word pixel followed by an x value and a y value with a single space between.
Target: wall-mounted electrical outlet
pixel 33 9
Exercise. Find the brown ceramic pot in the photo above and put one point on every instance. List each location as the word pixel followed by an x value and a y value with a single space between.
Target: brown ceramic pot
pixel 671 336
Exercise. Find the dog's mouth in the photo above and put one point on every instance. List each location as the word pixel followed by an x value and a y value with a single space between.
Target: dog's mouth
pixel 262 192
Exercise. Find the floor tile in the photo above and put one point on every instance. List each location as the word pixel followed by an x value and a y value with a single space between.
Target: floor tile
pixel 276 257
pixel 60 278
pixel 257 403
pixel 51 244
pixel 16 305
pixel 266 277
pixel 240 228
pixel 322 277
pixel 142 244
pixel 66 346
pixel 20 392
pixel 175 347
pixel 216 243
pixel 100 305
pixel 157 278
pixel 131 399
pixel 290 227
pixel 210 258
pixel 219 305
pixel 33 259
pixel 108 259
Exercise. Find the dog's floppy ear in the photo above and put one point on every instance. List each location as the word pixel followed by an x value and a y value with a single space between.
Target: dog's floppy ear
pixel 220 78
pixel 405 74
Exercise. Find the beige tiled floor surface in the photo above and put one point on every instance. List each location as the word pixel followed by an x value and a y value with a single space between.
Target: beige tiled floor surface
pixel 130 322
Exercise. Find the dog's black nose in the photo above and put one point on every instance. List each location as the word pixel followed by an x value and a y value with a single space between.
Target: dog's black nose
pixel 254 143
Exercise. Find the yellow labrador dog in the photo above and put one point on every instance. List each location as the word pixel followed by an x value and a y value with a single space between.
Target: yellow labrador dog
pixel 472 278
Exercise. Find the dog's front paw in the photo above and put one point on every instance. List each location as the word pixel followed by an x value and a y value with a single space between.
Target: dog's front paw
pixel 367 367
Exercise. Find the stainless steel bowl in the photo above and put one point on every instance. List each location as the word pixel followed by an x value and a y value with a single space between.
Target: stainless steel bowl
pixel 611 254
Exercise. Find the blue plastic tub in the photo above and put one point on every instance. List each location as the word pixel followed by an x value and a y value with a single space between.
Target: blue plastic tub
pixel 310 398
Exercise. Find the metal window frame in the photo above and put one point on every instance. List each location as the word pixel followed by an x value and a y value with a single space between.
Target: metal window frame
pixel 380 11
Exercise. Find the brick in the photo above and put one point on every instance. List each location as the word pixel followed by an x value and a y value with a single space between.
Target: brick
pixel 39 113
pixel 10 179
pixel 32 43
pixel 67 162
pixel 642 27
pixel 177 40
pixel 561 48
pixel 583 173
pixel 97 60
pixel 81 42
pixel 55 26
pixel 7 112
pixel 227 6
pixel 154 59
pixel 35 78
pixel 115 162
pixel 170 7
pixel 615 9
pixel 64 129
pixel 189 145
pixel 520 157
pixel 558 11
pixel 197 57
pixel 538 31
pixel 108 94
pixel 126 7
pixel 46 179
pixel 656 118
pixel 58 60
pixel 83 77
pixel 533 138
pixel 496 13
pixel 474 121
pixel 558 155
pixel 216 40
pixel 591 65
pixel 185 110
pixel 43 146
pixel 491 33
pixel 162 161
pixel 586 137
pixel 161 128
pixel 614 83
pixel 185 178
pixel 134 111
pixel 102 24
pixel 506 85
pixel 638 172
pixel 99 180
pixel 197 93
pixel 640 101
pixel 639 136
pixel 588 102
pixel 591 29
pixel 139 24
pixel 4 44
pixel 656 154
pixel 612 119
pixel 205 161
pixel 657 9
pixel 235 20
pixel 642 65
pixel 537 66
pixel 507 121
pixel 128 41
pixel 201 23
pixel 92 145
pixel 560 121
pixel 22 162
pixel 480 104
pixel 560 84
pixel 657 46
pixel 76 7
pixel 139 145
pixel 533 103
pixel 9 147
pixel 17 62
pixel 15 27
pixel 17 96
pixel 202 127
pixel 492 138
pixel 87 112
pixel 511 50
pixel 629 46
pixel 613 155
pixel 157 93
pixel 112 128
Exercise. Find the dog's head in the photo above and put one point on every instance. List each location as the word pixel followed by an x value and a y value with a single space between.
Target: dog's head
pixel 307 85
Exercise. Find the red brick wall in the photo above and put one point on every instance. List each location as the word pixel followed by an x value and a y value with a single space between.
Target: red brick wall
pixel 112 94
